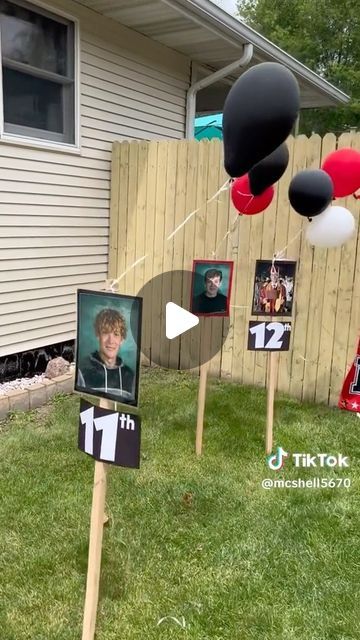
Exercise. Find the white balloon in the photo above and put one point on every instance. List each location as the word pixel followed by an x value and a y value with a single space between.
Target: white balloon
pixel 331 228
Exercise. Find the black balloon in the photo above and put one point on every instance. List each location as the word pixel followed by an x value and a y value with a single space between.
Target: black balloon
pixel 310 192
pixel 259 113
pixel 268 171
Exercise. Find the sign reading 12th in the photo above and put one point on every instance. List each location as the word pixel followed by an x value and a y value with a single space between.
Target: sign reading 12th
pixel 109 436
pixel 269 336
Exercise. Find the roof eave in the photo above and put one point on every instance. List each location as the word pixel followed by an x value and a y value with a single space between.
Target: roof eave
pixel 230 26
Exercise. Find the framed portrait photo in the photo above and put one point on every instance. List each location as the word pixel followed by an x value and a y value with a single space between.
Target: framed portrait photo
pixel 108 345
pixel 211 287
pixel 274 286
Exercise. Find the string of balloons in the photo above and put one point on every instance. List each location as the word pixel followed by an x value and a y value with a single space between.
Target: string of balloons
pixel 259 114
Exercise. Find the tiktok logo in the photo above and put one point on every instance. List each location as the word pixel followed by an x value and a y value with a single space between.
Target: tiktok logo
pixel 276 461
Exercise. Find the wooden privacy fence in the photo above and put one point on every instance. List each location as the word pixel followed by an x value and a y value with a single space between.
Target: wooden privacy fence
pixel 156 184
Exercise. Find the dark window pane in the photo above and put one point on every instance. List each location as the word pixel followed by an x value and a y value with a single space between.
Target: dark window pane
pixel 34 39
pixel 32 102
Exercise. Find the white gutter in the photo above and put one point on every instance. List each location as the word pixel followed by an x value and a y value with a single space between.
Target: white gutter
pixel 207 81
pixel 234 31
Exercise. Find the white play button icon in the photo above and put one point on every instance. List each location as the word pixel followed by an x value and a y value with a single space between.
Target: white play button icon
pixel 167 303
pixel 178 320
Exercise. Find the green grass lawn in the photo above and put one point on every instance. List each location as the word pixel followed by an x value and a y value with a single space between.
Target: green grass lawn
pixel 199 541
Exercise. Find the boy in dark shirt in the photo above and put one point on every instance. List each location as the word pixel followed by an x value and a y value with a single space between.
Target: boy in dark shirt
pixel 104 370
pixel 211 301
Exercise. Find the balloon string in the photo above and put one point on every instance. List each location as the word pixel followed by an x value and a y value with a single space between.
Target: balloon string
pixel 224 187
pixel 246 195
pixel 231 230
pixel 279 255
pixel 111 285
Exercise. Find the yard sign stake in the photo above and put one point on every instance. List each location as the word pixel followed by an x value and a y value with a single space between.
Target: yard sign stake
pixel 273 361
pixel 204 368
pixel 273 337
pixel 95 546
pixel 201 407
pixel 111 437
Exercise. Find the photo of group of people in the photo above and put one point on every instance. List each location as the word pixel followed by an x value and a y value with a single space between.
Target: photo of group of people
pixel 273 288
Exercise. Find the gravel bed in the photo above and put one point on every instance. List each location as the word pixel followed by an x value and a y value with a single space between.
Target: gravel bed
pixel 24 383
pixel 20 384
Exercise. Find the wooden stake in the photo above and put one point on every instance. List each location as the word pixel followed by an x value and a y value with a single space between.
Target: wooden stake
pixel 201 407
pixel 204 368
pixel 95 545
pixel 273 366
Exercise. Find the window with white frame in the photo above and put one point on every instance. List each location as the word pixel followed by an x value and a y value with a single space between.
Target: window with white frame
pixel 38 73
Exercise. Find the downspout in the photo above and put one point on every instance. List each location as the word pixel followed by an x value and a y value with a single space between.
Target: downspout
pixel 297 126
pixel 206 82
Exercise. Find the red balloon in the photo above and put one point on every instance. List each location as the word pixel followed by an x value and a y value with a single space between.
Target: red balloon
pixel 244 201
pixel 343 167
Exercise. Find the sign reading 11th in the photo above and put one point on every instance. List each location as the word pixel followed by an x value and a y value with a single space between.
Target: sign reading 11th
pixel 109 436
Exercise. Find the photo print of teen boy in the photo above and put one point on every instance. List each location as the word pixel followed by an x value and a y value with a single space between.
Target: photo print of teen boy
pixel 108 345
pixel 211 287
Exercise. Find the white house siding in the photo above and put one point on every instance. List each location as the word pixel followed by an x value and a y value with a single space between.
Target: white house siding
pixel 54 207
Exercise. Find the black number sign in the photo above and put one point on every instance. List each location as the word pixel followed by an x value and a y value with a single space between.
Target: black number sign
pixel 109 436
pixel 269 336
